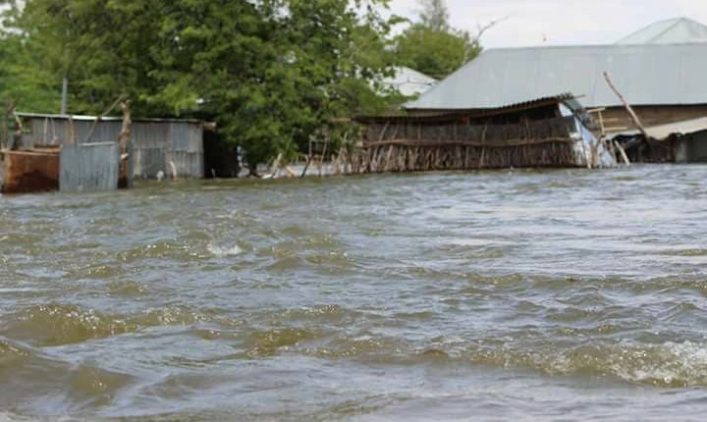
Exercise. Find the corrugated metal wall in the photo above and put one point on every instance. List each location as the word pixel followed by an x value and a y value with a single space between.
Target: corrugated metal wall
pixel 150 148
pixel 49 131
pixel 187 148
pixel 156 145
pixel 89 167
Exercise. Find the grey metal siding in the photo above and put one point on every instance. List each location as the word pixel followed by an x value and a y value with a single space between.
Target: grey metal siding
pixel 50 131
pixel 186 152
pixel 150 146
pixel 89 167
pixel 156 145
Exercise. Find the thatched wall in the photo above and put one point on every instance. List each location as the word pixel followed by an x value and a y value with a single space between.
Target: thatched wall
pixel 399 145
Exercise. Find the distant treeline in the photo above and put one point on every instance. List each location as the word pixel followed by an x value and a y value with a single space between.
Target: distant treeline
pixel 272 74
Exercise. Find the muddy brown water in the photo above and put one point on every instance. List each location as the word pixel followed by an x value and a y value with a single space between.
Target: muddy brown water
pixel 529 295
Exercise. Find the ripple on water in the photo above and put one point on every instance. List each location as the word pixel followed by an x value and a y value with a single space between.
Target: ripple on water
pixel 130 289
pixel 30 377
pixel 669 364
pixel 270 342
pixel 11 353
pixel 54 324
pixel 157 250
pixel 59 324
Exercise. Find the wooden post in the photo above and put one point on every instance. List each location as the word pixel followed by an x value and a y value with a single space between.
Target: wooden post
pixel 17 136
pixel 124 139
pixel 125 134
pixel 628 107
pixel 99 118
pixel 9 113
pixel 71 138
pixel 323 156
pixel 276 166
pixel 623 153
pixel 64 95
pixel 309 158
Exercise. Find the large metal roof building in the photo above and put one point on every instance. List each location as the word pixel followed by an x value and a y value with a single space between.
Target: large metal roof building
pixel 670 31
pixel 647 70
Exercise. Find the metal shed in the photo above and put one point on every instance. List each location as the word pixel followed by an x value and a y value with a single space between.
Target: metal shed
pixel 172 146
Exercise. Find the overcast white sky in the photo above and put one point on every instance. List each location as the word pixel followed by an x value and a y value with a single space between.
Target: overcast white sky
pixel 559 22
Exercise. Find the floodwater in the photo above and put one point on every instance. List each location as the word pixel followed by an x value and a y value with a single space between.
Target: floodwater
pixel 528 295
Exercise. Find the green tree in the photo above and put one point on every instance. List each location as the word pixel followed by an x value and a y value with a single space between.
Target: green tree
pixel 431 46
pixel 283 71
pixel 271 73
pixel 101 46
pixel 25 80
pixel 434 15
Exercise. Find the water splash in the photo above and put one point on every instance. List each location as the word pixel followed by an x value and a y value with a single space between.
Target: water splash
pixel 224 251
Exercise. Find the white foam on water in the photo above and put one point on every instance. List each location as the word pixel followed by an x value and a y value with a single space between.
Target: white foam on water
pixel 668 363
pixel 223 251
pixel 8 417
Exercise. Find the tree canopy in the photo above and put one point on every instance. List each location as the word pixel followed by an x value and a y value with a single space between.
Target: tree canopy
pixel 432 46
pixel 434 14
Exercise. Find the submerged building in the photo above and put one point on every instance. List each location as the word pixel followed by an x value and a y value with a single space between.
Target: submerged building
pixel 81 153
pixel 553 131
pixel 659 70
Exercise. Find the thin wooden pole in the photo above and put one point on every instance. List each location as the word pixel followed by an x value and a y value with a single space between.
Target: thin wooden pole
pixel 623 153
pixel 99 118
pixel 309 158
pixel 628 107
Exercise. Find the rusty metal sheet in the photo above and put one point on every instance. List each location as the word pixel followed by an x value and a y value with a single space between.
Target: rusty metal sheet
pixel 30 171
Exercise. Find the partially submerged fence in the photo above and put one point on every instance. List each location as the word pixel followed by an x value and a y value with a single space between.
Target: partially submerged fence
pixel 417 144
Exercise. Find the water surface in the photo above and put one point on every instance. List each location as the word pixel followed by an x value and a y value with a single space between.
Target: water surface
pixel 566 294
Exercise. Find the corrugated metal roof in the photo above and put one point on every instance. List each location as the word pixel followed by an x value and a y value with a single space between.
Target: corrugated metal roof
pixel 670 31
pixel 409 82
pixel 79 117
pixel 442 115
pixel 645 75
pixel 663 132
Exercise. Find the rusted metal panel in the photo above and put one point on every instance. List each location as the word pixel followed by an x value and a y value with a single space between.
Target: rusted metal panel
pixel 30 171
pixel 89 167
